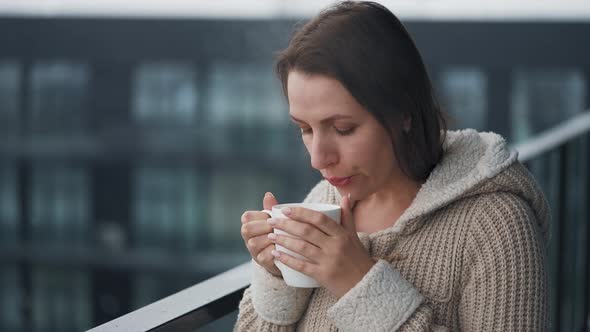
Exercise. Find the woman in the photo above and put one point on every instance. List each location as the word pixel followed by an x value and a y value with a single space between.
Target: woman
pixel 441 230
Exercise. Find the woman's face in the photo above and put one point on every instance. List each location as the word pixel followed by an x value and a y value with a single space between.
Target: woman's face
pixel 343 139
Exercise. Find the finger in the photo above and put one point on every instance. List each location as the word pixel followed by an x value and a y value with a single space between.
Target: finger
pixel 257 244
pixel 299 246
pixel 308 232
pixel 346 217
pixel 318 219
pixel 269 201
pixel 305 267
pixel 255 228
pixel 249 216
pixel 265 256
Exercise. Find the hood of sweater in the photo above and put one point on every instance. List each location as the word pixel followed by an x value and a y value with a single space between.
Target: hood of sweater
pixel 473 163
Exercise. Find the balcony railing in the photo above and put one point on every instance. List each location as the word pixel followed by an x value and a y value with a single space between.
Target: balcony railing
pixel 188 309
pixel 210 300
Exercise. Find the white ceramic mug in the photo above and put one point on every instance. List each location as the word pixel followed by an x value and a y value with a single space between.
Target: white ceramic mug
pixel 292 277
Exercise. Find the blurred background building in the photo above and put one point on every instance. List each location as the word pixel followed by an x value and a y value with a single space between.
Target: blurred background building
pixel 134 134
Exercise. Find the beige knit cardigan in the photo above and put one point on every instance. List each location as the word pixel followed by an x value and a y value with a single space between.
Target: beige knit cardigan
pixel 467 255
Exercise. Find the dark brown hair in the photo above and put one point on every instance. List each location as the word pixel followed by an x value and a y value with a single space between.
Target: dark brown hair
pixel 367 49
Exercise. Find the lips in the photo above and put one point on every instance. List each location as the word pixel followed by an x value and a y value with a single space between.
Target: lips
pixel 339 182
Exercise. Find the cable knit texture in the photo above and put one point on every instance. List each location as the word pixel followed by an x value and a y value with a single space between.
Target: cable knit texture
pixel 468 254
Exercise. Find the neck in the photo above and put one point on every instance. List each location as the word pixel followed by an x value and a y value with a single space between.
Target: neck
pixel 396 193
pixel 382 208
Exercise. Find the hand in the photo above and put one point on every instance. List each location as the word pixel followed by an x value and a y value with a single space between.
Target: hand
pixel 254 232
pixel 337 258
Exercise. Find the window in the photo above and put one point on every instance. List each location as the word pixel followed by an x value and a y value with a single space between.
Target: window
pixel 10 82
pixel 246 108
pixel 11 298
pixel 232 193
pixel 168 208
pixel 60 205
pixel 464 96
pixel 543 98
pixel 61 300
pixel 59 98
pixel 9 207
pixel 165 93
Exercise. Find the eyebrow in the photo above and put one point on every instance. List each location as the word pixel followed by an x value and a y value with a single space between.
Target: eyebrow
pixel 326 120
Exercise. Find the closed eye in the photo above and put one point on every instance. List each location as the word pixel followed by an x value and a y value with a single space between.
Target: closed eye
pixel 341 132
pixel 344 132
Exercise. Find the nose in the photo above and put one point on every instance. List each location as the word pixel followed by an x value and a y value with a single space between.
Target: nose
pixel 323 152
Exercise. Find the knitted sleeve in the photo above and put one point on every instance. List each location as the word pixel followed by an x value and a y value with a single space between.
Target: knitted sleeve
pixel 504 276
pixel 269 304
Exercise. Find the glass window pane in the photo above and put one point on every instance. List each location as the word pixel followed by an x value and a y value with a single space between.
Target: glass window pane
pixel 245 94
pixel 10 82
pixel 9 207
pixel 168 208
pixel 61 300
pixel 59 98
pixel 245 109
pixel 464 96
pixel 60 205
pixel 232 193
pixel 11 298
pixel 542 99
pixel 165 93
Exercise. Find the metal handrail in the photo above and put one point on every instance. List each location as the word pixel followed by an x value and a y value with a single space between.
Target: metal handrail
pixel 199 300
pixel 554 137
pixel 159 316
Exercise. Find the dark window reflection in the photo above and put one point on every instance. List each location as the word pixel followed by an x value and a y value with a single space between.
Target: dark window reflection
pixel 10 82
pixel 11 298
pixel 165 93
pixel 9 212
pixel 61 300
pixel 464 95
pixel 542 99
pixel 60 205
pixel 232 193
pixel 168 208
pixel 59 98
pixel 246 108
pixel 244 94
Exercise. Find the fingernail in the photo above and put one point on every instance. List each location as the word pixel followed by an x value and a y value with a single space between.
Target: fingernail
pixel 275 253
pixel 271 221
pixel 267 195
pixel 286 211
pixel 349 197
pixel 272 236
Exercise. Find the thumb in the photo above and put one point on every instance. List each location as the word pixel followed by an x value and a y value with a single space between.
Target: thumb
pixel 269 201
pixel 346 218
